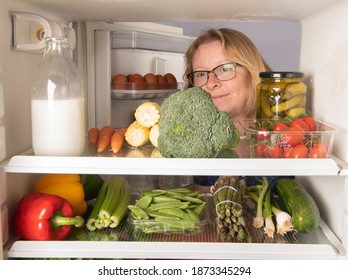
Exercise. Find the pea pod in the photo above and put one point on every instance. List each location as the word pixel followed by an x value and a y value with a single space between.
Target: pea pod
pixel 170 204
pixel 176 212
pixel 137 213
pixel 144 201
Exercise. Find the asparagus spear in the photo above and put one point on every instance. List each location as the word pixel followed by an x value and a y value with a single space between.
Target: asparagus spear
pixel 229 201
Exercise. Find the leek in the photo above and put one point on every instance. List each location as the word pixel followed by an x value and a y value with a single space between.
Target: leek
pixel 267 212
pixel 258 221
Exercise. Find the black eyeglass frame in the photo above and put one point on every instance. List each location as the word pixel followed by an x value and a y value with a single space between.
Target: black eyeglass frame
pixel 190 75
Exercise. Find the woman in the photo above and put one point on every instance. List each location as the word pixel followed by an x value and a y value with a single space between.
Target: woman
pixel 226 63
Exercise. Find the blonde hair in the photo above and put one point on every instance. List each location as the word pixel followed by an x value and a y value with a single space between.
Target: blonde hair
pixel 239 48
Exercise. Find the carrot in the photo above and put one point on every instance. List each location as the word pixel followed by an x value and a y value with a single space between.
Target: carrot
pixel 93 135
pixel 117 139
pixel 104 137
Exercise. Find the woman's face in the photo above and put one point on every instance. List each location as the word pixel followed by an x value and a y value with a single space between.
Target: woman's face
pixel 229 96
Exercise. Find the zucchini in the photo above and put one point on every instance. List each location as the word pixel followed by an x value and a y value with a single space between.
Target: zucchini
pixel 299 204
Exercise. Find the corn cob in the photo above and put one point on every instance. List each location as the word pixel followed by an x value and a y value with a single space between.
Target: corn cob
pixel 229 202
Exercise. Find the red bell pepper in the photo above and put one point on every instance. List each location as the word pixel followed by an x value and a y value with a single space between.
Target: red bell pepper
pixel 45 217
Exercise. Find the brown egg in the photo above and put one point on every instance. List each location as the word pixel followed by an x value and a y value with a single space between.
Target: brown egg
pixel 138 81
pixel 151 81
pixel 161 81
pixel 119 81
pixel 171 80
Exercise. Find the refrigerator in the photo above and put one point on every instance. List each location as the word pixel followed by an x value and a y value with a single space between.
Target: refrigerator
pixel 113 36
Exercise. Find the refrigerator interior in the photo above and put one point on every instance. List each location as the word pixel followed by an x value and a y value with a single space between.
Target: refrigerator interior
pixel 324 45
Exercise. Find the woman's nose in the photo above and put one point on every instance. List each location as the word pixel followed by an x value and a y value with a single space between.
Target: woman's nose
pixel 212 81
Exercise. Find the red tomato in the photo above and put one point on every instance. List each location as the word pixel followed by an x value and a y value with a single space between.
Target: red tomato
pixel 274 151
pixel 280 127
pixel 300 151
pixel 260 150
pixel 262 134
pixel 310 121
pixel 300 123
pixel 319 150
pixel 293 136
pixel 287 152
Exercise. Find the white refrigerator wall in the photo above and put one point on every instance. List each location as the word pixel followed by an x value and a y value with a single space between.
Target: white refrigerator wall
pixel 324 59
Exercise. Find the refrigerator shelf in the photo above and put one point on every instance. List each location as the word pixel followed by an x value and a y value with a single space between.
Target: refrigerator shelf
pixel 321 244
pixel 105 164
pixel 141 94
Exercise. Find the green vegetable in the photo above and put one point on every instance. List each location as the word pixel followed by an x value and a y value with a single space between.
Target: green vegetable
pixel 92 184
pixel 229 202
pixel 192 127
pixel 174 210
pixel 111 204
pixel 299 204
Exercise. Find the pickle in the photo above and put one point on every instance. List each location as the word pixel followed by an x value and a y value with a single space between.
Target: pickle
pixel 266 111
pixel 297 101
pixel 276 88
pixel 295 112
pixel 293 89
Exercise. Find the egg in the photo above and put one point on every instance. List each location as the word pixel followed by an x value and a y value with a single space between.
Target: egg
pixel 119 81
pixel 138 81
pixel 151 81
pixel 161 81
pixel 171 80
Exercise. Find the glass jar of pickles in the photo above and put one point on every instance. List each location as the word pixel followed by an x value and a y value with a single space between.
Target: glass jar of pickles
pixel 281 95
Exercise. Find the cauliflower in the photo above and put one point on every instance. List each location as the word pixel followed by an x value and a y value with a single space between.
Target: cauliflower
pixel 192 127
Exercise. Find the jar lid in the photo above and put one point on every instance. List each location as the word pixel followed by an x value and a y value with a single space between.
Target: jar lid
pixel 281 75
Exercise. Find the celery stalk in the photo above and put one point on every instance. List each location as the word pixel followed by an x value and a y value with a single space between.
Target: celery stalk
pixel 95 211
pixel 121 208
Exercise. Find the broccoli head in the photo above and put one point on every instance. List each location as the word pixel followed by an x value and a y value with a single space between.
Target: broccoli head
pixel 191 126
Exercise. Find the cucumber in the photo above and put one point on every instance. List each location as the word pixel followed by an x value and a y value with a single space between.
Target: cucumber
pixel 299 204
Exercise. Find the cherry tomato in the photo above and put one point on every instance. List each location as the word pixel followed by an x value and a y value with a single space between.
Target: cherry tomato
pixel 262 134
pixel 300 123
pixel 274 151
pixel 310 121
pixel 319 150
pixel 260 150
pixel 287 152
pixel 300 151
pixel 280 127
pixel 293 136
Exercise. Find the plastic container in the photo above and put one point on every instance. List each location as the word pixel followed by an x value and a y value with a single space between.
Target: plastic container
pixel 280 95
pixel 131 90
pixel 280 144
pixel 171 226
pixel 58 103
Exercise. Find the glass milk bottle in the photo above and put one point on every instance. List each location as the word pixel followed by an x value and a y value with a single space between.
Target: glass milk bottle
pixel 58 103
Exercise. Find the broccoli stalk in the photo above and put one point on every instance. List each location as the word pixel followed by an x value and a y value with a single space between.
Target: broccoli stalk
pixel 192 127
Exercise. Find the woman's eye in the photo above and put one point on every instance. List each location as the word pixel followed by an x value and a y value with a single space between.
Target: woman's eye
pixel 200 75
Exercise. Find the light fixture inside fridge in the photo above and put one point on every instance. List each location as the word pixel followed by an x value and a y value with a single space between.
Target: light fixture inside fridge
pixel 30 30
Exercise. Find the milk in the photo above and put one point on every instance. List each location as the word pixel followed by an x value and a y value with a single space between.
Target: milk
pixel 58 127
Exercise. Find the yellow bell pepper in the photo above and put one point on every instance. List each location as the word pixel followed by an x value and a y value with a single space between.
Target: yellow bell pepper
pixel 67 186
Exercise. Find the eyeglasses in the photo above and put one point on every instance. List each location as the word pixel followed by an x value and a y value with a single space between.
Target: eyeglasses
pixel 223 72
